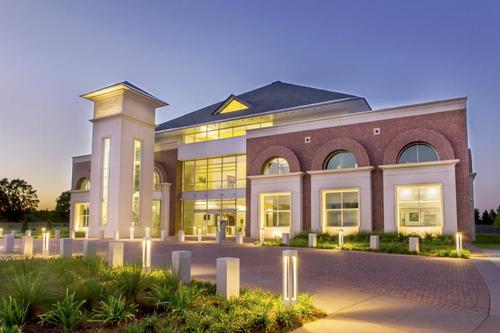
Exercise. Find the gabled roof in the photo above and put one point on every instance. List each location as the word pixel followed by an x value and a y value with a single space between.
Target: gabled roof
pixel 277 96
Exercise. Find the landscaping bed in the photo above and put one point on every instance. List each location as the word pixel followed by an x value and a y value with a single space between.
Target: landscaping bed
pixel 78 295
pixel 488 241
pixel 436 246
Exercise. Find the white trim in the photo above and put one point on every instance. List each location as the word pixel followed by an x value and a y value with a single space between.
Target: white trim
pixel 418 165
pixel 125 116
pixel 363 117
pixel 328 171
pixel 82 158
pixel 283 175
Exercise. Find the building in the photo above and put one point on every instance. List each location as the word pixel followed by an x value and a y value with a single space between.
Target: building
pixel 282 158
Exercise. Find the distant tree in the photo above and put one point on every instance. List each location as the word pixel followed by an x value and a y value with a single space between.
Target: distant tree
pixel 63 205
pixel 496 223
pixel 17 199
pixel 493 215
pixel 477 216
pixel 485 217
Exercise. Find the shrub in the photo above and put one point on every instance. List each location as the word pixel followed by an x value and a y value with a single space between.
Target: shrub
pixel 10 329
pixel 176 300
pixel 115 310
pixel 129 281
pixel 65 314
pixel 28 289
pixel 12 313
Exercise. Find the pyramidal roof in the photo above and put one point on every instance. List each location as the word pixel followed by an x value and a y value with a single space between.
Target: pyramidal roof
pixel 277 96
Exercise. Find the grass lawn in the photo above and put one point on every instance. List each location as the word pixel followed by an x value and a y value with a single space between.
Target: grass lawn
pixel 436 246
pixel 78 295
pixel 488 241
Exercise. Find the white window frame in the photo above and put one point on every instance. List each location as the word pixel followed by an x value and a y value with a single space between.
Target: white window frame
pixel 140 182
pixel 262 212
pixel 423 185
pixel 324 210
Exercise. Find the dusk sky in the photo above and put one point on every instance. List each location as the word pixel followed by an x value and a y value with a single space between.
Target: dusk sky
pixel 194 53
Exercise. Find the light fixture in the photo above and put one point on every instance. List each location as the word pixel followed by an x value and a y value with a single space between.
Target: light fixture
pixel 117 234
pixel 290 276
pixel 458 242
pixel 146 254
pixel 1 232
pixel 147 232
pixel 261 235
pixel 45 242
pixel 132 233
pixel 341 239
pixel 199 234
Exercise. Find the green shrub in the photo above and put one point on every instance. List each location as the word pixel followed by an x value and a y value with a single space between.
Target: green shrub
pixel 129 281
pixel 10 329
pixel 12 312
pixel 115 310
pixel 65 314
pixel 177 301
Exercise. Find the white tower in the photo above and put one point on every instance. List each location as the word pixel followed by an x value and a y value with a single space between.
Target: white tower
pixel 122 162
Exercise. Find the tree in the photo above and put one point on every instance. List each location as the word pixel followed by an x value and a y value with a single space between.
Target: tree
pixel 496 223
pixel 17 198
pixel 63 205
pixel 477 216
pixel 493 215
pixel 485 217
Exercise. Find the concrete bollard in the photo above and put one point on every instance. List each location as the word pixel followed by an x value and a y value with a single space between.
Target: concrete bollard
pixel 115 254
pixel 312 240
pixel 228 277
pixel 8 243
pixel 218 236
pixel 414 244
pixel 13 232
pixel 163 235
pixel 180 236
pixel 57 234
pixel 117 235
pixel 27 233
pixel 181 265
pixel 374 242
pixel 239 238
pixel 261 235
pixel 285 238
pixel 66 247
pixel 89 248
pixel 72 234
pixel 27 246
pixel 1 232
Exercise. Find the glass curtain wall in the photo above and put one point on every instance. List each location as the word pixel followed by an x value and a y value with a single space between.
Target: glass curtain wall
pixel 156 225
pixel 105 181
pixel 136 182
pixel 216 173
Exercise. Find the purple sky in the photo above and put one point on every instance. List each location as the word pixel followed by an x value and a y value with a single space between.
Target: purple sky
pixel 192 54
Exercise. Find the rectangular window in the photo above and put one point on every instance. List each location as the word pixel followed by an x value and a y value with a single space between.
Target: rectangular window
pixel 276 210
pixel 136 182
pixel 341 208
pixel 105 181
pixel 156 217
pixel 419 206
pixel 82 218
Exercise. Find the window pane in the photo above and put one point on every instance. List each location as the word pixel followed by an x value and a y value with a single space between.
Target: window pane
pixel 188 181
pixel 419 206
pixel 431 217
pixel 342 159
pixel 333 218
pixel 284 219
pixel 426 154
pixel 350 199
pixel 284 202
pixel 270 203
pixel 430 194
pixel 350 218
pixel 409 217
pixel 276 166
pixel 333 200
pixel 270 219
pixel 409 155
pixel 408 194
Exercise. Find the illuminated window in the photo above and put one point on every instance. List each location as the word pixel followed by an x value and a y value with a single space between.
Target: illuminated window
pixel 233 106
pixel 276 166
pixel 83 184
pixel 156 180
pixel 156 218
pixel 136 182
pixel 419 206
pixel 341 159
pixel 82 216
pixel 276 210
pixel 227 129
pixel 341 208
pixel 228 172
pixel 418 152
pixel 105 181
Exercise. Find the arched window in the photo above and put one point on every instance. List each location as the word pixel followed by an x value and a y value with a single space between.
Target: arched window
pixel 83 184
pixel 418 152
pixel 276 166
pixel 156 180
pixel 340 159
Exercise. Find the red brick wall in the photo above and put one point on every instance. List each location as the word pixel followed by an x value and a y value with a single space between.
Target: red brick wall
pixel 447 131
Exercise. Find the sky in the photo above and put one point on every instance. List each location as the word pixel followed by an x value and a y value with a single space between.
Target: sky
pixel 194 53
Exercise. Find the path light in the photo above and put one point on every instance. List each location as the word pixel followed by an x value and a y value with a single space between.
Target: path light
pixel 132 233
pixel 199 234
pixel 45 242
pixel 289 276
pixel 261 235
pixel 146 253
pixel 458 242
pixel 341 239
pixel 1 232
pixel 147 232
pixel 117 234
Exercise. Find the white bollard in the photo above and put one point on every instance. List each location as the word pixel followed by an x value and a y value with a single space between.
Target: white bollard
pixel 27 233
pixel 228 277
pixel 181 265
pixel 27 246
pixel 89 248
pixel 341 239
pixel 8 243
pixel 86 233
pixel 72 234
pixel 66 247
pixel 147 232
pixel 218 236
pixel 132 233
pixel 57 234
pixel 239 238
pixel 312 240
pixel 163 235
pixel 374 242
pixel 261 235
pixel 414 244
pixel 458 242
pixel 200 236
pixel 13 232
pixel 146 254
pixel 45 243
pixel 285 238
pixel 1 232
pixel 180 236
pixel 290 287
pixel 115 254
pixel 117 235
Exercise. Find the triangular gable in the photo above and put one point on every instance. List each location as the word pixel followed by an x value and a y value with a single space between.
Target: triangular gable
pixel 231 105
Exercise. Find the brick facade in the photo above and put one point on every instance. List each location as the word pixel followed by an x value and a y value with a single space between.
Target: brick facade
pixel 446 131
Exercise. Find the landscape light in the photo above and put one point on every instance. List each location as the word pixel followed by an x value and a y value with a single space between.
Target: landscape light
pixel 290 276
pixel 147 232
pixel 132 233
pixel 458 242
pixel 261 235
pixel 146 254
pixel 341 239
pixel 1 232
pixel 199 234
pixel 45 242
pixel 117 234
